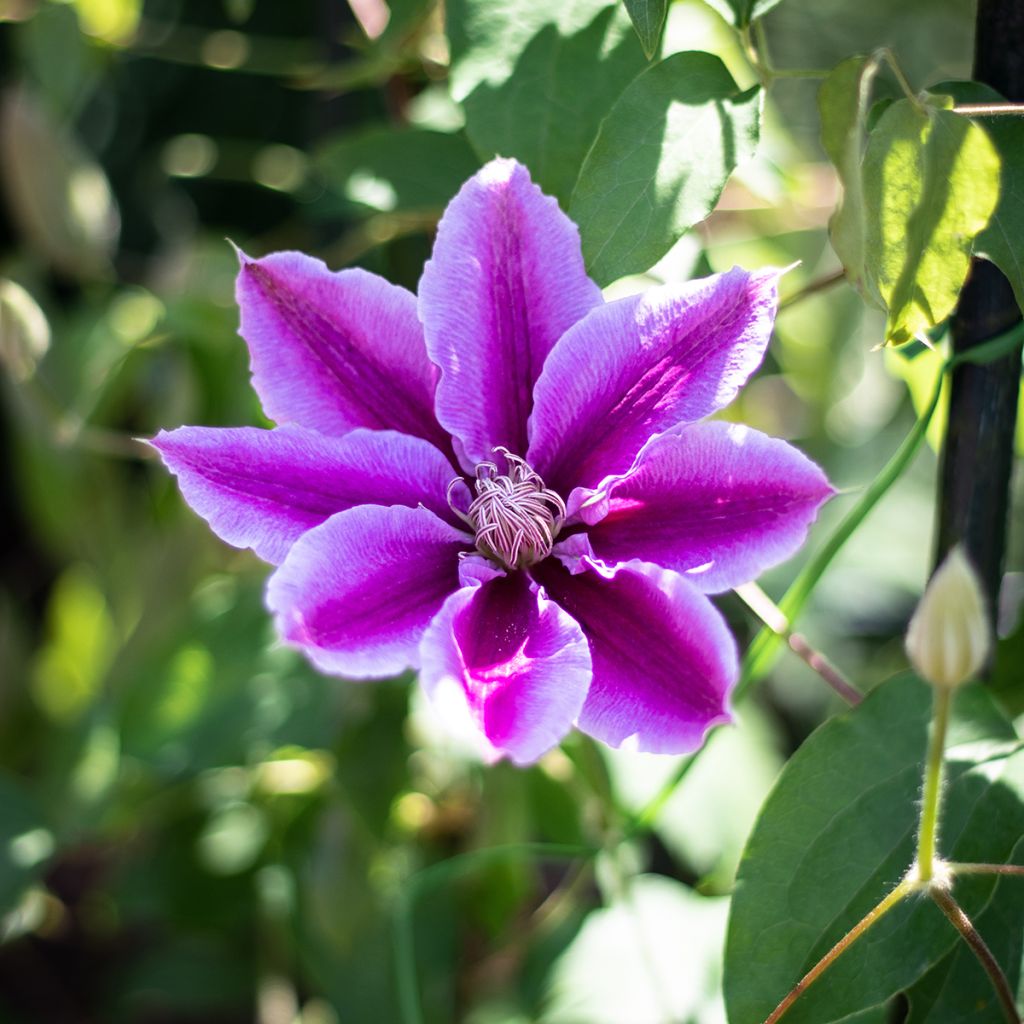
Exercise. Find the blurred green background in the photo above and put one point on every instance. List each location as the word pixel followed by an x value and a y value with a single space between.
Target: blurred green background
pixel 194 826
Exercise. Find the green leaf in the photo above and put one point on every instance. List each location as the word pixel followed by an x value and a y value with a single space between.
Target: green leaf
pixel 1002 241
pixel 388 170
pixel 956 991
pixel 648 17
pixel 842 102
pixel 931 183
pixel 660 161
pixel 837 834
pixel 547 112
pixel 487 39
pixel 742 12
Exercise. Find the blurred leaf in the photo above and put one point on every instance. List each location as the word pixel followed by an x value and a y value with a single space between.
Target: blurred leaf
pixel 59 197
pixel 652 956
pixel 113 21
pixel 742 12
pixel 648 17
pixel 842 101
pixel 547 112
pixel 391 170
pixel 1002 241
pixel 406 16
pixel 233 839
pixel 487 39
pixel 81 643
pixel 660 161
pixel 931 183
pixel 59 60
pixel 24 331
pixel 837 833
pixel 709 816
pixel 185 976
pixel 25 844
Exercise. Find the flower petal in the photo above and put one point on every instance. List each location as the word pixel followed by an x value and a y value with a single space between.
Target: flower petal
pixel 335 351
pixel 663 659
pixel 262 489
pixel 717 501
pixel 638 366
pixel 505 282
pixel 511 661
pixel 356 593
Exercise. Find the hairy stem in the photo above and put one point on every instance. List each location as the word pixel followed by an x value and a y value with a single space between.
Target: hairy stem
pixel 985 869
pixel 963 924
pixel 904 889
pixel 931 797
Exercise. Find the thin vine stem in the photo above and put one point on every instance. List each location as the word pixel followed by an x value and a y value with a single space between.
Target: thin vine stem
pixel 931 794
pixel 985 869
pixel 766 642
pixel 812 288
pixel 904 889
pixel 990 109
pixel 963 924
pixel 771 615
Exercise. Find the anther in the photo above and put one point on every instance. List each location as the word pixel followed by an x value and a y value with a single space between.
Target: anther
pixel 514 516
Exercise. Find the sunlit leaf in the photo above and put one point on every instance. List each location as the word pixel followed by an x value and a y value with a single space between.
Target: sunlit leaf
pixel 660 161
pixel 648 17
pixel 931 183
pixel 1002 241
pixel 837 833
pixel 114 21
pixel 547 113
pixel 487 38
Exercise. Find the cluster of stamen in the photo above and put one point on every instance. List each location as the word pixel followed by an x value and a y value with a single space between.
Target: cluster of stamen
pixel 514 516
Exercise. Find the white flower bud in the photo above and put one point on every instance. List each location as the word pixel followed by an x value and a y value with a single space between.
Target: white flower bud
pixel 949 636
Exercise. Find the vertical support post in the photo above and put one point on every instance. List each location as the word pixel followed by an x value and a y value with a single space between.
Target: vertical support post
pixel 978 450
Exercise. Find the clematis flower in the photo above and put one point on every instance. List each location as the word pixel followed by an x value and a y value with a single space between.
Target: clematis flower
pixel 506 483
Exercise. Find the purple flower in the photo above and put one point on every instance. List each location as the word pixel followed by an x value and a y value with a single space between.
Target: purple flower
pixel 504 483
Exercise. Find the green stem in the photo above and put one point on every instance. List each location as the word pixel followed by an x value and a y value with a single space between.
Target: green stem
pixel 927 833
pixel 765 644
pixel 904 889
pixel 890 58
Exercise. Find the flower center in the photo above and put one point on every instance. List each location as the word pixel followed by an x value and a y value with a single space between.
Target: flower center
pixel 514 516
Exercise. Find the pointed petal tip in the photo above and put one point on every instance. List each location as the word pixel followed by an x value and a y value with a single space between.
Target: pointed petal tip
pixel 244 259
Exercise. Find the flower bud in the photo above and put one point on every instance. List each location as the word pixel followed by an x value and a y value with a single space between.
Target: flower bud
pixel 950 635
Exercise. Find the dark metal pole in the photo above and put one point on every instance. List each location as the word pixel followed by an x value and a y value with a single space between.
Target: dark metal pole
pixel 978 451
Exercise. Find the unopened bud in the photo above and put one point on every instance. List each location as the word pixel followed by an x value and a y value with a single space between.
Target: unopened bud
pixel 949 636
